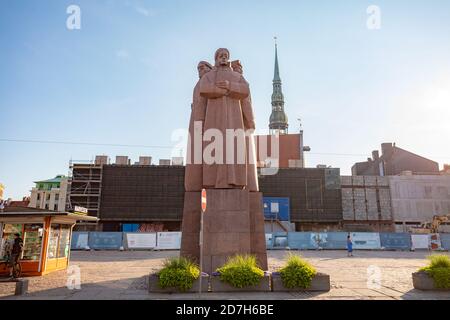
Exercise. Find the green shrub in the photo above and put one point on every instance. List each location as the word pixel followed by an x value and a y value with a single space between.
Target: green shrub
pixel 297 273
pixel 439 270
pixel 241 271
pixel 179 273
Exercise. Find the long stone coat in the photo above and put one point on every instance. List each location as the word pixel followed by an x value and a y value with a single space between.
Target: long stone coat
pixel 193 178
pixel 223 111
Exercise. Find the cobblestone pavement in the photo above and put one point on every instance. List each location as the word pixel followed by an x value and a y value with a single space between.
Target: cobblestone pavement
pixel 123 275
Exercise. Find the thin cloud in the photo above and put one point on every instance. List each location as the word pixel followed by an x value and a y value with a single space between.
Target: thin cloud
pixel 122 54
pixel 144 11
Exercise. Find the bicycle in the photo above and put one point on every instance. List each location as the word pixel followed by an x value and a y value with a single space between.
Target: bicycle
pixel 17 267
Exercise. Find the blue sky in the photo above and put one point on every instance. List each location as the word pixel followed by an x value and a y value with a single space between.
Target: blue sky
pixel 127 76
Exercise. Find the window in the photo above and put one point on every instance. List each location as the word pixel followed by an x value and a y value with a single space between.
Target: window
pixel 56 196
pixel 38 197
pixel 54 240
pixel 59 244
pixel 9 230
pixel 64 242
pixel 32 241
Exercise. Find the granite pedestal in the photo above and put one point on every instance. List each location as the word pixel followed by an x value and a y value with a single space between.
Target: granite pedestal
pixel 233 224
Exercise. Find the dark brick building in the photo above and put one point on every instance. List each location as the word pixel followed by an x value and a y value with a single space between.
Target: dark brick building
pixel 134 194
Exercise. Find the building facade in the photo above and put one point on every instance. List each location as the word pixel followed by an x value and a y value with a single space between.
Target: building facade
pixel 366 204
pixel 417 198
pixel 50 194
pixel 394 161
pixel 314 196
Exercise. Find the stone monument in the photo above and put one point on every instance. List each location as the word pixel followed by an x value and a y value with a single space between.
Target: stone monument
pixel 221 158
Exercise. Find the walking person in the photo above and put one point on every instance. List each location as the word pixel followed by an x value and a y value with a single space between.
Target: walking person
pixel 349 246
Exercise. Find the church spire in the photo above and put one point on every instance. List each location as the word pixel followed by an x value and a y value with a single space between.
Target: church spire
pixel 276 74
pixel 278 119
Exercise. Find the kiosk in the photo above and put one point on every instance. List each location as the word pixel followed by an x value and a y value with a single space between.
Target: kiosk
pixel 46 238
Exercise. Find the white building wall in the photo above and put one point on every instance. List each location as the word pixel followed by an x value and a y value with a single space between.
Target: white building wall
pixel 418 198
pixel 49 198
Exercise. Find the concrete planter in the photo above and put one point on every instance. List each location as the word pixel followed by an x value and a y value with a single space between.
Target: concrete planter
pixel 153 285
pixel 320 282
pixel 422 281
pixel 220 286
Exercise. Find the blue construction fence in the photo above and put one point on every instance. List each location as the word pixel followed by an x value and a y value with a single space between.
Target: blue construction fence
pixel 126 240
pixel 276 240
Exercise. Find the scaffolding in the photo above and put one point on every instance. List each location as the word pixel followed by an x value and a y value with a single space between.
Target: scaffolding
pixel 84 185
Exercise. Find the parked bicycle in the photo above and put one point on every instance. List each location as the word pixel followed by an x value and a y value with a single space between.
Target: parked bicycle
pixel 15 265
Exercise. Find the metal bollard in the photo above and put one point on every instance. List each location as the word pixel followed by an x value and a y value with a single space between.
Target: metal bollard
pixel 21 287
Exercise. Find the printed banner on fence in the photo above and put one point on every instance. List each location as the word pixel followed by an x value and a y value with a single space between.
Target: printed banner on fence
pixel 302 240
pixel 141 240
pixel 331 240
pixel 445 240
pixel 395 241
pixel 105 240
pixel 420 241
pixel 79 240
pixel 366 240
pixel 435 242
pixel 168 240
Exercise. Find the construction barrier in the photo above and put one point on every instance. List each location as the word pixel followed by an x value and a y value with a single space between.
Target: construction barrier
pixel 276 240
pixel 105 240
pixel 435 242
pixel 332 240
pixel 80 240
pixel 168 240
pixel 269 241
pixel 395 241
pixel 280 240
pixel 420 241
pixel 366 240
pixel 302 240
pixel 139 241
pixel 445 240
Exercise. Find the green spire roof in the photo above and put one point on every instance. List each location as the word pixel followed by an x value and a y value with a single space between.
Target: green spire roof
pixel 276 74
pixel 278 119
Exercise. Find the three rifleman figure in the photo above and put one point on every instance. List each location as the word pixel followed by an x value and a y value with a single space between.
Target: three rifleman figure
pixel 221 152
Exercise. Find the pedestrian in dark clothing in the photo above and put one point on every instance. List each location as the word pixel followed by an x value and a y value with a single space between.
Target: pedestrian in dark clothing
pixel 16 252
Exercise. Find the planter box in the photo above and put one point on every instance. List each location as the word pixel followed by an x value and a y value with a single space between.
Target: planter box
pixel 422 281
pixel 153 285
pixel 320 282
pixel 219 286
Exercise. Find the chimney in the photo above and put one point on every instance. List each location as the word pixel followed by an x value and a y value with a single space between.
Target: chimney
pixel 122 160
pixel 101 160
pixel 177 161
pixel 164 162
pixel 375 155
pixel 386 149
pixel 145 161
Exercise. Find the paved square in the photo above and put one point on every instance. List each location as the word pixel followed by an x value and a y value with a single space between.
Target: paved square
pixel 123 275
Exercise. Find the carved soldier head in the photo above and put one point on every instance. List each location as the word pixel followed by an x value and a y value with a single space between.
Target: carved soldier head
pixel 203 68
pixel 236 66
pixel 222 57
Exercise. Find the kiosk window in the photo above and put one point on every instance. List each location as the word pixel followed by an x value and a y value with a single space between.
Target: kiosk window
pixel 54 240
pixel 64 242
pixel 32 241
pixel 8 236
